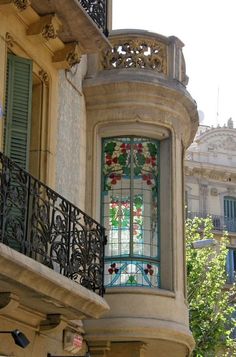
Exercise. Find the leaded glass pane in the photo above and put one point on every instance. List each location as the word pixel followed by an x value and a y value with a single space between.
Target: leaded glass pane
pixel 130 201
pixel 131 273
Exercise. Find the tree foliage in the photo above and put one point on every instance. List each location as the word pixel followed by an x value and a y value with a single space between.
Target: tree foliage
pixel 210 303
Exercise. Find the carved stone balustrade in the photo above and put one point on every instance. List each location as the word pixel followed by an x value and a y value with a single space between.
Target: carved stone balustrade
pixel 145 50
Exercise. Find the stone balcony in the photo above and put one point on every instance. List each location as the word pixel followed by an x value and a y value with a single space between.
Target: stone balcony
pixel 143 62
pixel 145 50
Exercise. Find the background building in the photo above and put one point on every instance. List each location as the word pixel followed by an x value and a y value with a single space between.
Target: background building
pixel 210 184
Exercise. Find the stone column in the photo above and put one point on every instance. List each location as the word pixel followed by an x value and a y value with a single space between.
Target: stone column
pixel 203 198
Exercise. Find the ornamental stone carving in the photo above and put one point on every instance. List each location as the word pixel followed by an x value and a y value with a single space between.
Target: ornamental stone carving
pixel 73 58
pixel 136 53
pixel 227 143
pixel 69 56
pixel 9 40
pixel 22 4
pixel 44 76
pixel 19 4
pixel 49 32
pixel 48 26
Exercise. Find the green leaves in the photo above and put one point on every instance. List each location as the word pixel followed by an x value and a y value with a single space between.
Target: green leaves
pixel 152 149
pixel 140 159
pixel 209 307
pixel 122 159
pixel 138 201
pixel 110 147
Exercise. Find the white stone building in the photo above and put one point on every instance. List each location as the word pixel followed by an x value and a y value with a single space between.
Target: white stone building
pixel 210 182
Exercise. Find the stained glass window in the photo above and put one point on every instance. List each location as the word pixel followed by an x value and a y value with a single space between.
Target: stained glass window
pixel 130 186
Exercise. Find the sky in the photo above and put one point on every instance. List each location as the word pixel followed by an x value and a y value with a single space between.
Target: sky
pixel 208 30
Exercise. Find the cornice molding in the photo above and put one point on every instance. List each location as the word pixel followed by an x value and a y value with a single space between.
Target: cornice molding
pixel 210 135
pixel 211 173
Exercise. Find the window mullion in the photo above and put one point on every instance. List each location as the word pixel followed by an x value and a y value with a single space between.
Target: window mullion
pixel 131 195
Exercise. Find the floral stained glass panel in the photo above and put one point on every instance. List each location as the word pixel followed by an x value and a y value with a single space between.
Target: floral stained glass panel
pixel 130 197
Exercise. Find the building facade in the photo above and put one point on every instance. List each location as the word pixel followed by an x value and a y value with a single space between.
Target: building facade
pixel 140 119
pixel 101 124
pixel 210 182
pixel 210 185
pixel 51 252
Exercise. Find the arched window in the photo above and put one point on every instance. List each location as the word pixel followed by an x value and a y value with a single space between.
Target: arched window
pixel 130 210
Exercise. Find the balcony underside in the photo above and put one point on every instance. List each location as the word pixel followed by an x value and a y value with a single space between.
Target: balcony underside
pixel 44 291
pixel 77 24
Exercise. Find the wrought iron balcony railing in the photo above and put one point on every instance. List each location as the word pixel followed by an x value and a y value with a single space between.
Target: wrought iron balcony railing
pixel 97 10
pixel 220 223
pixel 38 222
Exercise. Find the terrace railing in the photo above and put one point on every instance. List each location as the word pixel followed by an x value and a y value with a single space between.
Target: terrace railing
pixel 220 223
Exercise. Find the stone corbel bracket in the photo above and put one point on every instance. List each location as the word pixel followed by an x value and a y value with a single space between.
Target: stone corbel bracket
pixel 47 26
pixel 19 4
pixel 54 323
pixel 8 302
pixel 12 309
pixel 67 57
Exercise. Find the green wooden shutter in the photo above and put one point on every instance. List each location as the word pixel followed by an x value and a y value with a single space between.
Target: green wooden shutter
pixel 18 109
pixel 230 213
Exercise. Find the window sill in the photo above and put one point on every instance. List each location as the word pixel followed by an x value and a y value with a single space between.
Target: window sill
pixel 140 290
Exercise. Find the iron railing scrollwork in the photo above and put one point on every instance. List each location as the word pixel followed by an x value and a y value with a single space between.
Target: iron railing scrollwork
pixel 43 225
pixel 97 10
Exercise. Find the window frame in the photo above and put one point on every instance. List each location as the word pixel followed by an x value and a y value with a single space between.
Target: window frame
pixel 167 141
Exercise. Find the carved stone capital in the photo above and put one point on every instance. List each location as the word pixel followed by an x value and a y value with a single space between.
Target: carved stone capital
pixel 44 76
pixel 19 4
pixel 69 56
pixel 48 26
pixel 9 40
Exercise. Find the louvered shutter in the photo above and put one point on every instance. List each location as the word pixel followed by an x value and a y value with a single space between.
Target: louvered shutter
pixel 230 213
pixel 18 109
